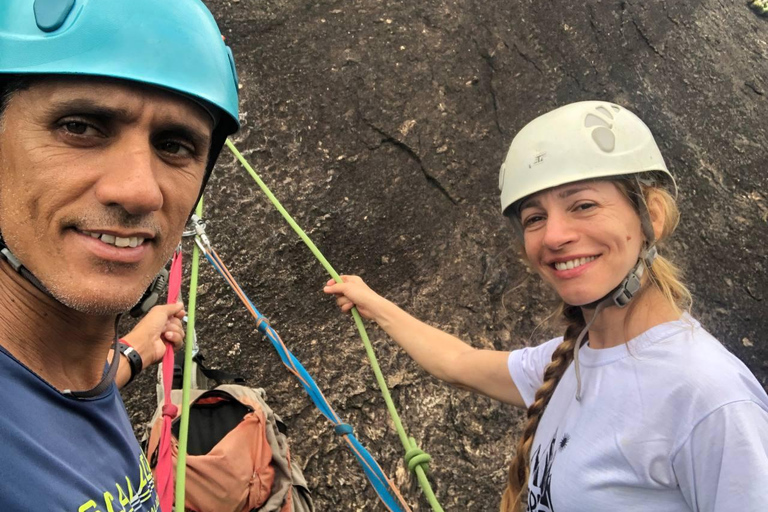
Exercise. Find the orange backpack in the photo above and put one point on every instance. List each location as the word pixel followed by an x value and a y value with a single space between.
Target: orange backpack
pixel 237 452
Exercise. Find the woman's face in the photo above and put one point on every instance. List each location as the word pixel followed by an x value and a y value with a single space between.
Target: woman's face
pixel 582 238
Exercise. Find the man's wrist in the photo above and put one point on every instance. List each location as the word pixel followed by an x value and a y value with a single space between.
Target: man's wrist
pixel 133 357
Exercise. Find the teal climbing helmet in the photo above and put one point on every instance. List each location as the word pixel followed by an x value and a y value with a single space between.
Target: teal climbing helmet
pixel 172 44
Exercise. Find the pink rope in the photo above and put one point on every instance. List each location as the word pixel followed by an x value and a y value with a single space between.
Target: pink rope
pixel 164 469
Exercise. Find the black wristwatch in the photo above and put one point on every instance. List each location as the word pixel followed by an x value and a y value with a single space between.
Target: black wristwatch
pixel 134 359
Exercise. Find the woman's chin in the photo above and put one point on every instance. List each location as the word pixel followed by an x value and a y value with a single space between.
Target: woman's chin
pixel 582 299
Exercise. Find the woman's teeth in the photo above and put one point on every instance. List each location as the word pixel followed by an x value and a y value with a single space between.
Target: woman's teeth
pixel 567 265
pixel 117 241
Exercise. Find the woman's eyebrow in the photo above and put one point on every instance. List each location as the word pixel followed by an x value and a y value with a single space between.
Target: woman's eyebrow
pixel 530 203
pixel 567 192
pixel 573 190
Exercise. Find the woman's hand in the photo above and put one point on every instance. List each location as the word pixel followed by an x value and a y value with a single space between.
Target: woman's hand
pixel 353 292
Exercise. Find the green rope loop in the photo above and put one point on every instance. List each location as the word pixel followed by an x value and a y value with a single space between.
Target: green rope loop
pixel 406 442
pixel 416 457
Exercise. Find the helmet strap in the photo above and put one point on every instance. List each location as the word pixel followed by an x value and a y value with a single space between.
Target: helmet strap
pixel 109 375
pixel 14 262
pixel 148 300
pixel 620 297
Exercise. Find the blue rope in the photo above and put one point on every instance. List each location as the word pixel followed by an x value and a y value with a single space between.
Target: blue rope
pixel 371 468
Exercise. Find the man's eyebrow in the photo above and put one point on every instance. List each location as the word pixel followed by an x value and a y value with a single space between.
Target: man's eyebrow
pixel 200 139
pixel 89 108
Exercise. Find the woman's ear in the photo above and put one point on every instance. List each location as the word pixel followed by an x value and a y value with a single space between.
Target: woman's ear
pixel 658 212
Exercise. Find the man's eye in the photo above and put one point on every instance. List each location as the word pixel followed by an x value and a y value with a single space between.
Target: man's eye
pixel 76 127
pixel 175 148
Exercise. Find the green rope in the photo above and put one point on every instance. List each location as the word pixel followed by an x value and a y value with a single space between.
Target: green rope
pixel 415 457
pixel 181 462
pixel 759 6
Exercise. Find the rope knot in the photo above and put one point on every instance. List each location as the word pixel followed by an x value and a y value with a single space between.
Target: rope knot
pixel 416 457
pixel 170 410
pixel 262 324
pixel 343 429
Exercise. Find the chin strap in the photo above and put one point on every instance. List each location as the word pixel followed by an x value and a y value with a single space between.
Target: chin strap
pixel 630 286
pixel 14 262
pixel 148 300
pixel 620 297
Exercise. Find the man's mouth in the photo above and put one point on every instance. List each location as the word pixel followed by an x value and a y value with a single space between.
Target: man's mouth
pixel 117 241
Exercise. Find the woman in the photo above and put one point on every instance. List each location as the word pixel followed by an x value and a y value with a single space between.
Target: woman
pixel 636 407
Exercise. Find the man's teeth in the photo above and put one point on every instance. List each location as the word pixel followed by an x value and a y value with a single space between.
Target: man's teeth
pixel 117 241
pixel 567 265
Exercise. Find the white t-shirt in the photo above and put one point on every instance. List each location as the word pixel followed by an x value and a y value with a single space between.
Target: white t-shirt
pixel 668 422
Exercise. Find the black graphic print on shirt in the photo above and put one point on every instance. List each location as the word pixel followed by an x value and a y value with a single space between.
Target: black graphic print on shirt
pixel 539 487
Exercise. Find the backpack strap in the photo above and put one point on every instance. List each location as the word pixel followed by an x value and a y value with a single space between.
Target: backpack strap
pixel 219 376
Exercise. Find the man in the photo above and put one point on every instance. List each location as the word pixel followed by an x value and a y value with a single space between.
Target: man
pixel 112 114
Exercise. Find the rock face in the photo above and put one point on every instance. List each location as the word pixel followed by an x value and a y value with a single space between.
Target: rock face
pixel 381 126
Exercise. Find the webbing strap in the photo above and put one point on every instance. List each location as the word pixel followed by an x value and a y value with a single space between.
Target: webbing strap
pixel 163 475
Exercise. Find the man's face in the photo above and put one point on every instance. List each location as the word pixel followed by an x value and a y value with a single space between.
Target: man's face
pixel 97 179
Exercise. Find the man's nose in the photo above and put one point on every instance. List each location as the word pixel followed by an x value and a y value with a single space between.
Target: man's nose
pixel 129 179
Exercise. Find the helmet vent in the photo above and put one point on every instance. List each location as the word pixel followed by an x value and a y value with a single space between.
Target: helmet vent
pixel 51 14
pixel 605 111
pixel 592 120
pixel 604 138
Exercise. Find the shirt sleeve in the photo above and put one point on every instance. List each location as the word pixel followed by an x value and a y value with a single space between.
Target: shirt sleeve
pixel 527 365
pixel 723 465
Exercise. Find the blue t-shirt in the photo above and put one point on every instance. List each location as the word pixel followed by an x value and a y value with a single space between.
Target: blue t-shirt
pixel 66 454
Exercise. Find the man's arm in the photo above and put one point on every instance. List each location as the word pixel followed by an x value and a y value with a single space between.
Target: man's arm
pixel 161 325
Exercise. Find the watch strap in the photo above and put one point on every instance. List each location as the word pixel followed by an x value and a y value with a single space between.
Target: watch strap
pixel 134 359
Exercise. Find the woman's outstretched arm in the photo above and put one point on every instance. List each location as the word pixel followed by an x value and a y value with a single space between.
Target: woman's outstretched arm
pixel 439 353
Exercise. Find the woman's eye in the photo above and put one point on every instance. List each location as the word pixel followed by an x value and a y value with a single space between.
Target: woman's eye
pixel 532 220
pixel 585 206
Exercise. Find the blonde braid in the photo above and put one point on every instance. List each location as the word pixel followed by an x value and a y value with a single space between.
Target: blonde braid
pixel 517 482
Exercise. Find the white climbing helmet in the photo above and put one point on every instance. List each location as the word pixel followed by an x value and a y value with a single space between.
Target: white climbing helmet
pixel 584 140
